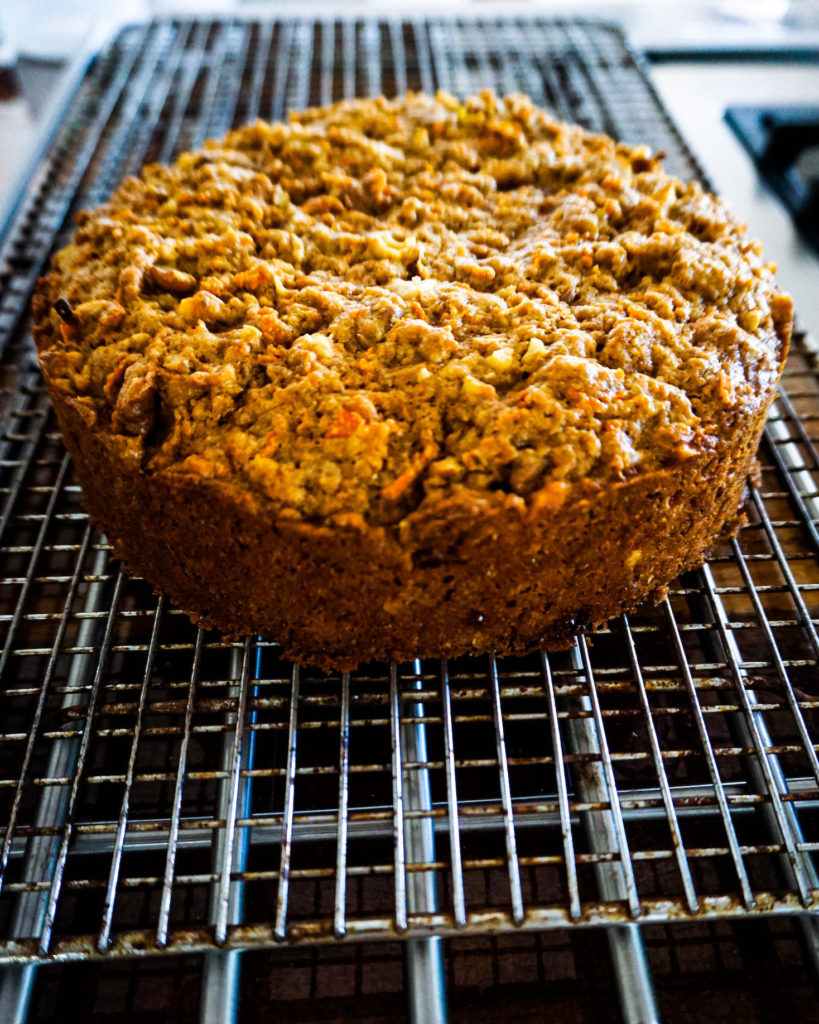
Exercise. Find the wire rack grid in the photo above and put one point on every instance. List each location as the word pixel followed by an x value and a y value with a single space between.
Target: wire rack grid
pixel 162 791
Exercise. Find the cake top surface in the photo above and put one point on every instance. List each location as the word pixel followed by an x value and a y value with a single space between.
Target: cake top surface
pixel 385 303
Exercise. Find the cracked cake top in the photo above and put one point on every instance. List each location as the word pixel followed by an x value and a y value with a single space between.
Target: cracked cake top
pixel 384 303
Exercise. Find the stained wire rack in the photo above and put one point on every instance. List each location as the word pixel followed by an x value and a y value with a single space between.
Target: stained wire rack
pixel 162 791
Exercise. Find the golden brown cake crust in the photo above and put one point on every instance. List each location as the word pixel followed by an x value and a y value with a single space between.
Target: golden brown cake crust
pixel 411 378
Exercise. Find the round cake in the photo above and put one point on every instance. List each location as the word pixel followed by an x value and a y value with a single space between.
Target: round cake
pixel 411 378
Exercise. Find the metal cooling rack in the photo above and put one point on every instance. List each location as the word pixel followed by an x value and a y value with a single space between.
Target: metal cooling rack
pixel 163 792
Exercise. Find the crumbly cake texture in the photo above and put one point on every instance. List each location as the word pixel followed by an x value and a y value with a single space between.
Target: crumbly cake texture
pixel 412 377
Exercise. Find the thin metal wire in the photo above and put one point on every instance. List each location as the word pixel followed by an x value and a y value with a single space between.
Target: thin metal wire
pixel 773 450
pixel 595 788
pixel 222 89
pixel 457 871
pixel 513 864
pixel 223 909
pixel 157 81
pixel 762 618
pixel 349 56
pixel 399 58
pixel 805 620
pixel 301 59
pixel 29 911
pixel 562 791
pixel 423 956
pixel 340 902
pixel 282 65
pixel 659 766
pixel 31 440
pixel 371 49
pixel 57 872
pixel 784 401
pixel 807 922
pixel 253 95
pixel 632 898
pixel 137 116
pixel 221 970
pixel 399 843
pixel 104 938
pixel 427 68
pixel 280 928
pixel 784 827
pixel 173 831
pixel 180 92
pixel 527 79
pixel 710 760
pixel 328 46
pixel 45 687
pixel 639 806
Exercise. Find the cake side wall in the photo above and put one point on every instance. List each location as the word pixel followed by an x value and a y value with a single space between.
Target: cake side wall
pixel 468 579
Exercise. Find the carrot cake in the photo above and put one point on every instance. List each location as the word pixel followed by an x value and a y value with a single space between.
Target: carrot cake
pixel 411 378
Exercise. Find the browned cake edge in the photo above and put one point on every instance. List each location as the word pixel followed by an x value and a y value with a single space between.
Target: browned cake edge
pixel 464 577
